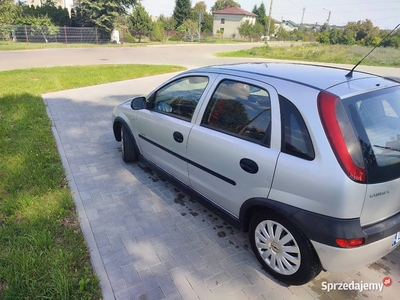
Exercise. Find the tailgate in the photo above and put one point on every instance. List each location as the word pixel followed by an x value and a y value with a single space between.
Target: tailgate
pixel 382 200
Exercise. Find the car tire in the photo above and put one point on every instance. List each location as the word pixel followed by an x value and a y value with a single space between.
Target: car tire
pixel 282 249
pixel 128 149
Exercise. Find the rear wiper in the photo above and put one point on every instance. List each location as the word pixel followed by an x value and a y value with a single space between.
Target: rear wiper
pixel 387 148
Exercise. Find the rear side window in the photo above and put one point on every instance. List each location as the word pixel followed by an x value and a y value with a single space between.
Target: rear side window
pixel 296 139
pixel 376 119
pixel 240 109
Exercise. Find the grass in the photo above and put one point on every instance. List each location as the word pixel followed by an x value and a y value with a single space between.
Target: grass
pixel 43 253
pixel 340 54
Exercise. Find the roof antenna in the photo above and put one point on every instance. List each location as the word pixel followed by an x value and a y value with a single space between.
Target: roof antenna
pixel 350 74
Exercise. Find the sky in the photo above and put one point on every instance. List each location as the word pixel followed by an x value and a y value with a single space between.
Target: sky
pixel 382 13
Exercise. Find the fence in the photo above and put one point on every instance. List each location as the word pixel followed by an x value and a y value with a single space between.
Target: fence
pixel 53 34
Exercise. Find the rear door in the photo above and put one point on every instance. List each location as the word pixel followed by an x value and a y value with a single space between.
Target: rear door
pixel 234 145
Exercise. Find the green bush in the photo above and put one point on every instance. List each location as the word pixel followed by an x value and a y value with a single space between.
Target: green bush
pixel 129 38
pixel 174 38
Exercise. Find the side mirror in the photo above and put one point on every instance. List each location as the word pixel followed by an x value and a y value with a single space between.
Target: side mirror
pixel 138 103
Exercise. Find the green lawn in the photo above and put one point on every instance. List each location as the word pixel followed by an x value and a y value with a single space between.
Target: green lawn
pixel 43 254
pixel 314 52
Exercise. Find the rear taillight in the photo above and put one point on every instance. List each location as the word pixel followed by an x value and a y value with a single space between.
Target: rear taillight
pixel 341 136
pixel 350 243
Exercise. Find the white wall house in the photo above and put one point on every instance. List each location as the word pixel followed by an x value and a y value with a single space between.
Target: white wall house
pixel 289 25
pixel 228 20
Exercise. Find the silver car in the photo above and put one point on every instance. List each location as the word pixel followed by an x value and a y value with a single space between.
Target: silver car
pixel 305 158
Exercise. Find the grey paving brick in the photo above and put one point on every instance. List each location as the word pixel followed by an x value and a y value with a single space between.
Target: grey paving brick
pixel 134 292
pixel 237 284
pixel 166 284
pixel 239 295
pixel 116 242
pixel 130 275
pixel 114 255
pixel 199 286
pixel 118 284
pixel 257 289
pixel 149 281
pixel 174 296
pixel 195 259
pixel 184 288
pixel 218 279
pixel 101 239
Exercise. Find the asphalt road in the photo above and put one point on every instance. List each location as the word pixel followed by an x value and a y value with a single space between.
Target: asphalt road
pixel 187 55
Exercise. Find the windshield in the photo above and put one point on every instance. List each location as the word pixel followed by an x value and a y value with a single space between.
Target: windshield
pixel 376 119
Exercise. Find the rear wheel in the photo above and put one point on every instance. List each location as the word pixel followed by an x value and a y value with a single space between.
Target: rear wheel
pixel 282 249
pixel 128 146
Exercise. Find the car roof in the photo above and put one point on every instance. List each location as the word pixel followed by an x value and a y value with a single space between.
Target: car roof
pixel 315 76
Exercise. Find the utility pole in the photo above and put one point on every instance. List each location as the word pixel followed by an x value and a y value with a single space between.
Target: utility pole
pixel 200 20
pixel 269 22
pixel 329 15
pixel 302 18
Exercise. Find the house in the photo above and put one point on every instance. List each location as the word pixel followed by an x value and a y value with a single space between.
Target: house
pixel 229 19
pixel 289 25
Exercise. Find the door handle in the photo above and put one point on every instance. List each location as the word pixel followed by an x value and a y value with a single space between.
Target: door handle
pixel 178 137
pixel 248 165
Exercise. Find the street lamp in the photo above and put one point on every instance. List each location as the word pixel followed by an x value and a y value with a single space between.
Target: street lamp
pixel 329 15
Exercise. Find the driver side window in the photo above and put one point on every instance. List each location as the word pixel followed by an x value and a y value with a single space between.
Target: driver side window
pixel 180 97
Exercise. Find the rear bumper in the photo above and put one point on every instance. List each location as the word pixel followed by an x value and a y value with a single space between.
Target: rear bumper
pixel 336 259
pixel 323 231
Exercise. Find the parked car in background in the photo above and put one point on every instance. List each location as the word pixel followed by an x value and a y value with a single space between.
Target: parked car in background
pixel 305 158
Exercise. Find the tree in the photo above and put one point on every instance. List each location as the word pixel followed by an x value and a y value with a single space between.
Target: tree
pixel 246 29
pixel 222 4
pixel 141 21
pixel 169 22
pixel 366 32
pixel 207 23
pixel 191 28
pixel 282 34
pixel 59 16
pixel 262 15
pixel 348 37
pixel 101 13
pixel 8 12
pixel 255 10
pixel 200 7
pixel 182 11
pixel 159 32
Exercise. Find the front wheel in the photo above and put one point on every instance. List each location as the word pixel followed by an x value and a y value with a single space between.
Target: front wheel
pixel 128 146
pixel 282 249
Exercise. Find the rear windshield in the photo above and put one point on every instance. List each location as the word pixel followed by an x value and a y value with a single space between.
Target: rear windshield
pixel 376 119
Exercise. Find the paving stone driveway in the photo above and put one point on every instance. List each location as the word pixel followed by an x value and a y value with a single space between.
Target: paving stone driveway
pixel 148 240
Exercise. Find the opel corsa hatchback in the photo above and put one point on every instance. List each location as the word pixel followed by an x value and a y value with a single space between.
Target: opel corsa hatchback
pixel 304 158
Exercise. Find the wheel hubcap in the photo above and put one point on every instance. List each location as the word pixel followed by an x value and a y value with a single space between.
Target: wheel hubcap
pixel 277 247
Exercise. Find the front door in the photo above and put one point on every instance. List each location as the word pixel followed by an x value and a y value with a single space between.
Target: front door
pixel 163 129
